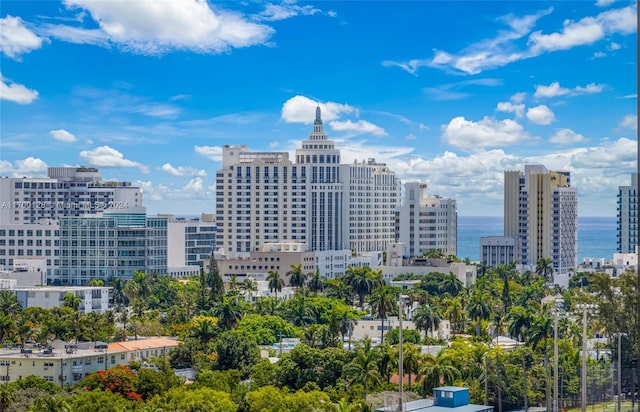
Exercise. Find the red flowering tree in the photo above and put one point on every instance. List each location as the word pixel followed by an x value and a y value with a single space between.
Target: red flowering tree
pixel 119 379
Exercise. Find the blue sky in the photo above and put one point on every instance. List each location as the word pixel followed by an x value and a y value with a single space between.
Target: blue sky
pixel 450 93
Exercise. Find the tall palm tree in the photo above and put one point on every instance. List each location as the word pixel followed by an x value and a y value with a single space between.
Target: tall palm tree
pixel 275 282
pixel 383 302
pixel 410 362
pixel 337 288
pixel 7 325
pixel 363 368
pixel 249 286
pixel 520 319
pixel 117 285
pixel 544 268
pixel 362 280
pixel 454 312
pixel 51 403
pixel 479 310
pixel 436 370
pixel 315 282
pixel 204 330
pixel 297 278
pixel 540 332
pixel 72 301
pixel 426 319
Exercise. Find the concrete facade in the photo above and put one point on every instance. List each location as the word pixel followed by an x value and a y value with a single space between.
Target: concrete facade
pixel 264 197
pixel 627 222
pixel 425 222
pixel 541 212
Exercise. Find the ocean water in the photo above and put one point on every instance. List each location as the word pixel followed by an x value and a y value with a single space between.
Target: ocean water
pixel 596 235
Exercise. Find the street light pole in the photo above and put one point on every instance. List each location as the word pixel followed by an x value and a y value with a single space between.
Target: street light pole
pixel 619 370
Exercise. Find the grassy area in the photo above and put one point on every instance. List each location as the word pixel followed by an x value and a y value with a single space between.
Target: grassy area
pixel 608 407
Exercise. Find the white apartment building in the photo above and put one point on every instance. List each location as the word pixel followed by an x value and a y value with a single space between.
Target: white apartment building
pixel 627 228
pixel 497 250
pixel 67 191
pixel 264 197
pixel 541 212
pixel 39 240
pixel 63 363
pixel 190 242
pixel 92 298
pixel 425 222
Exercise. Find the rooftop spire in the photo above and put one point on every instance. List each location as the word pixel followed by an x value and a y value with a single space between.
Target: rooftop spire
pixel 318 117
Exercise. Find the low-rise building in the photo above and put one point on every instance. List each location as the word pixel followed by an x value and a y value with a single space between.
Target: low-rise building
pixel 92 298
pixel 64 363
pixel 498 250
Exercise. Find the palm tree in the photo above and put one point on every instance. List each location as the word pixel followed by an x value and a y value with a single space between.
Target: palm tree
pixel 233 282
pixel 72 301
pixel 363 368
pixel 297 278
pixel 544 268
pixel 9 304
pixel 454 312
pixel 229 312
pixel 204 330
pixel 51 403
pixel 299 312
pixel 315 282
pixel 383 302
pixel 426 319
pixel 275 282
pixel 7 324
pixel 519 322
pixel 479 310
pixel 337 288
pixel 539 333
pixel 362 280
pixel 451 284
pixel 117 286
pixel 410 361
pixel 7 397
pixel 249 286
pixel 436 370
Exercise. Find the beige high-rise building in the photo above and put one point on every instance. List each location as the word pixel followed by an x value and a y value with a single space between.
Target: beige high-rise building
pixel 541 212
pixel 264 198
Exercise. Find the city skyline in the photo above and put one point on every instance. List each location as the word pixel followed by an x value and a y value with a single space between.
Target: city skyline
pixel 150 93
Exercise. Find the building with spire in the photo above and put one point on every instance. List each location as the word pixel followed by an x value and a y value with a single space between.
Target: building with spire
pixel 264 198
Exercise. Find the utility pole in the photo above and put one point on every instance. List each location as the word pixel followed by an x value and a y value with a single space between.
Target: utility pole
pixel 400 365
pixel 619 371
pixel 558 305
pixel 584 308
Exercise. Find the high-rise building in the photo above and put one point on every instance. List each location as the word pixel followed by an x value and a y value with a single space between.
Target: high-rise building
pixel 190 241
pixel 264 197
pixel 116 244
pixel 425 222
pixel 628 216
pixel 541 212
pixel 67 191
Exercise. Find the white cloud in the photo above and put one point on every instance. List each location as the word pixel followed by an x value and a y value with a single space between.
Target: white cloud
pixel 183 171
pixel 28 167
pixel 105 156
pixel 614 46
pixel 586 30
pixel 509 107
pixel 604 3
pixel 156 27
pixel 63 135
pixel 488 132
pixel 15 92
pixel 301 109
pixel 618 154
pixel 483 55
pixel 212 152
pixel 598 55
pixel 540 115
pixel 630 121
pixel 16 39
pixel 554 90
pixel 193 190
pixel 566 137
pixel 275 12
pixel 505 48
pixel 450 91
pixel 359 127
